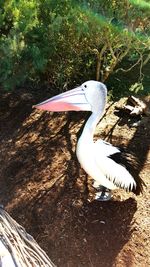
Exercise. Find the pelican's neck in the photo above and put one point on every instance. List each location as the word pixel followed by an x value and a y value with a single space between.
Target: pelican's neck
pixel 89 128
pixel 97 112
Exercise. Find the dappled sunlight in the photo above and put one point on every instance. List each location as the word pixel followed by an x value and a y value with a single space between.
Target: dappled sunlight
pixel 46 191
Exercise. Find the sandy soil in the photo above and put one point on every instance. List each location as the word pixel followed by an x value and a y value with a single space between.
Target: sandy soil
pixel 44 189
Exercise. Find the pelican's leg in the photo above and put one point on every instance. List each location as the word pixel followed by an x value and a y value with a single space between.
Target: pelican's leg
pixel 103 194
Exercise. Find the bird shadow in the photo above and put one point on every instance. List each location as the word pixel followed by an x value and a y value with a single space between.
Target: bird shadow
pixel 108 229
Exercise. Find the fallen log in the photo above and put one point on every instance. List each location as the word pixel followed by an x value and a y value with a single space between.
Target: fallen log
pixel 138 108
pixel 17 247
pixel 135 107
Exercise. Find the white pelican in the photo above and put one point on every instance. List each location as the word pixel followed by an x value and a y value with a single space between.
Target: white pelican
pixel 101 160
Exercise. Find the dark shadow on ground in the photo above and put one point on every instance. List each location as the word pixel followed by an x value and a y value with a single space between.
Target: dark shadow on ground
pixel 92 235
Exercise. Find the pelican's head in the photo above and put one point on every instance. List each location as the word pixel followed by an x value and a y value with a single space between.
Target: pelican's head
pixel 90 96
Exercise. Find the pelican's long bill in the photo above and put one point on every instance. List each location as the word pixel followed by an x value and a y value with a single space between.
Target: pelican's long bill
pixel 74 99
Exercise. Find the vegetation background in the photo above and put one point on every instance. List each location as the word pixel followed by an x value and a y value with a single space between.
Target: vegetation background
pixel 61 43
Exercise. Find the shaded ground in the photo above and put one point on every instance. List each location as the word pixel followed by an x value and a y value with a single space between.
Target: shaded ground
pixel 43 187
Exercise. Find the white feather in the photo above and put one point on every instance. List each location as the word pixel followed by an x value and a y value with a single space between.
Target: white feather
pixel 105 148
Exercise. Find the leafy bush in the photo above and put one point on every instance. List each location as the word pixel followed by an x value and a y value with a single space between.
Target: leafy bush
pixel 62 42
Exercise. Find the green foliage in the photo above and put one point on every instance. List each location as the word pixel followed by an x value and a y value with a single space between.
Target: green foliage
pixel 135 88
pixel 62 42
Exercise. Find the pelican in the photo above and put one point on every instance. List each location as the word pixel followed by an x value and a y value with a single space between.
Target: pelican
pixel 101 160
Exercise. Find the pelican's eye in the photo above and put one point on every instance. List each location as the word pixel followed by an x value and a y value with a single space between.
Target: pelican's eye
pixel 85 86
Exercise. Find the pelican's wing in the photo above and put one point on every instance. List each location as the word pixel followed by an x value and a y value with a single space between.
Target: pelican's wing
pixel 106 148
pixel 113 171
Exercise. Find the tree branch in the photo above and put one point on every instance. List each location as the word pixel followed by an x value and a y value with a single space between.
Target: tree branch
pixel 126 70
pixel 99 61
pixel 146 60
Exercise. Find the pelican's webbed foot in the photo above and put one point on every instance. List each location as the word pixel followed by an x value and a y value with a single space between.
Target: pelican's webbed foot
pixel 103 194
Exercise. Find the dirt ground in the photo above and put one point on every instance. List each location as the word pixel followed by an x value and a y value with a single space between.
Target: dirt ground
pixel 44 189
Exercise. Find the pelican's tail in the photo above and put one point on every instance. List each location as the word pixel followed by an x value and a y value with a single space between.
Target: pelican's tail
pixel 139 186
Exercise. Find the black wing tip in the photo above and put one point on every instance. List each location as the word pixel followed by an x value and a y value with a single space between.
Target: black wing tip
pixel 139 187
